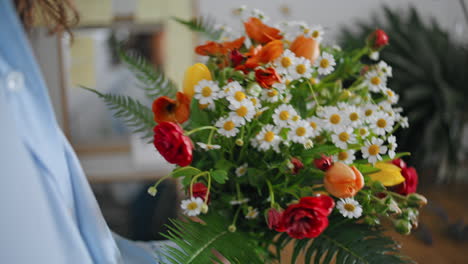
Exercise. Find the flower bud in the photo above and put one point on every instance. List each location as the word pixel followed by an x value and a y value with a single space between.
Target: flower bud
pixel 204 208
pixel 392 206
pixel 377 186
pixel 236 57
pixel 239 142
pixel 193 75
pixel 232 228
pixel 297 165
pixel 152 191
pixel 343 181
pixel 377 39
pixel 402 226
pixel 417 200
pixel 372 220
pixel 323 163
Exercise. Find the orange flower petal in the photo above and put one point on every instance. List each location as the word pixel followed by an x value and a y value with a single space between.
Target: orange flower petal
pixel 305 47
pixel 260 32
pixel 182 112
pixel 343 181
pixel 215 48
pixel 270 51
pixel 235 44
pixel 166 109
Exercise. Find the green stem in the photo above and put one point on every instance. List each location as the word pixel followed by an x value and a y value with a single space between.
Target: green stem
pixel 193 181
pixel 211 136
pixel 272 194
pixel 209 188
pixel 313 93
pixel 234 221
pixel 238 191
pixel 162 179
pixel 200 129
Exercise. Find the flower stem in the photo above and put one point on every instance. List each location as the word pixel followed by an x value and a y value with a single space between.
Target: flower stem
pixel 313 93
pixel 209 188
pixel 272 194
pixel 200 129
pixel 211 136
pixel 193 181
pixel 234 221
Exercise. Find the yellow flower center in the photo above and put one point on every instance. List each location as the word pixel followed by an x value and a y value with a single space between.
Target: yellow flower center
pixel 206 91
pixel 343 155
pixel 296 118
pixel 286 62
pixel 272 93
pixel 269 136
pixel 374 150
pixel 229 125
pixel 362 131
pixel 192 206
pixel 306 30
pixel 368 112
pixel 242 111
pixel 284 115
pixel 254 101
pixel 353 116
pixel 313 125
pixel 324 63
pixel 313 80
pixel 375 80
pixel 287 82
pixel 335 119
pixel 390 93
pixel 315 34
pixel 349 207
pixel 301 131
pixel 203 106
pixel 239 96
pixel 301 69
pixel 343 136
pixel 381 123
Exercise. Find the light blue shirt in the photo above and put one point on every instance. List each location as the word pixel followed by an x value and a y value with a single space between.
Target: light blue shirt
pixel 48 211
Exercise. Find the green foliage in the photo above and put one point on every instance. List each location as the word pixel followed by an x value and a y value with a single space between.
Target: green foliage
pixel 153 82
pixel 430 75
pixel 136 116
pixel 346 242
pixel 204 25
pixel 196 241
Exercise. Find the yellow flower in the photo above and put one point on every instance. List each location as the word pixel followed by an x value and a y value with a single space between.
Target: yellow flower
pixel 193 75
pixel 389 174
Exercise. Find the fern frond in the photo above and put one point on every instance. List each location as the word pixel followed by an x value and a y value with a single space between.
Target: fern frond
pixel 135 115
pixel 204 25
pixel 196 242
pixel 345 243
pixel 154 82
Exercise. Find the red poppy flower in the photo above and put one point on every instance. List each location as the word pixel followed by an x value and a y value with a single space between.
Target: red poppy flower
pixel 212 48
pixel 166 109
pixel 305 47
pixel 267 77
pixel 265 54
pixel 260 32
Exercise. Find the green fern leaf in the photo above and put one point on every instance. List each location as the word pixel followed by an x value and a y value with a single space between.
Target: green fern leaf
pixel 196 241
pixel 204 25
pixel 154 82
pixel 136 116
pixel 346 242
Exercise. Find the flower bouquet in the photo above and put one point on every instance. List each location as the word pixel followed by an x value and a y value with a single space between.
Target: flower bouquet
pixel 280 139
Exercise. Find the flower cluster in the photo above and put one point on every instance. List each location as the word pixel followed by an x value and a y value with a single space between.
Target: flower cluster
pixel 287 127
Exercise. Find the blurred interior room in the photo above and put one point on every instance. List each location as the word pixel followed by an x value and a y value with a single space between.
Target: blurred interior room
pixel 428 51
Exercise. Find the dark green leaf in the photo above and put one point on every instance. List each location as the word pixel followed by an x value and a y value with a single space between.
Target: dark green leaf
pixel 220 176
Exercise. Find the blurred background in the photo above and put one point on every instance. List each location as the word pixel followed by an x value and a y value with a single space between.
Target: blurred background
pixel 428 53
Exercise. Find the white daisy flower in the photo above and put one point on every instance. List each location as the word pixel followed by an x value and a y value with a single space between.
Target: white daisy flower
pixel 404 121
pixel 208 146
pixel 375 81
pixel 372 150
pixel 300 132
pixel 382 123
pixel 242 111
pixel 269 138
pixel 314 80
pixel 254 90
pixel 342 105
pixel 363 132
pixel 280 87
pixel 270 95
pixel 301 69
pixel 192 206
pixel 392 97
pixel 230 91
pixel 242 170
pixel 334 119
pixel 345 156
pixel 255 102
pixel 206 92
pixel 285 62
pixel 316 32
pixel 240 201
pixel 374 55
pixel 343 137
pixel 292 29
pixel 316 124
pixel 349 208
pixel 392 145
pixel 283 115
pixel 252 213
pixel 325 63
pixel 227 126
pixel 369 111
pixel 385 68
pixel 353 116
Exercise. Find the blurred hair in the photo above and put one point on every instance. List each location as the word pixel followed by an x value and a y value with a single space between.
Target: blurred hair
pixel 57 15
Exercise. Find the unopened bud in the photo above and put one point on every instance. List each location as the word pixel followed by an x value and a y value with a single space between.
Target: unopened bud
pixel 403 226
pixel 417 200
pixel 371 220
pixel 232 228
pixel 239 142
pixel 152 191
pixel 323 163
pixel 204 208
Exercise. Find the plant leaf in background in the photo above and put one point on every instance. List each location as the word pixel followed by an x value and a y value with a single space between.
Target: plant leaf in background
pixel 430 75
pixel 135 115
pixel 204 25
pixel 196 241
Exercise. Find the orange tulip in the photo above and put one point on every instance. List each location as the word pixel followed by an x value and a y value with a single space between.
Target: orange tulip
pixel 343 181
pixel 212 48
pixel 305 47
pixel 265 54
pixel 260 32
pixel 167 110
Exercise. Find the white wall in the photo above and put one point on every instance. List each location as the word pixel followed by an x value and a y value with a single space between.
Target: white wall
pixel 332 14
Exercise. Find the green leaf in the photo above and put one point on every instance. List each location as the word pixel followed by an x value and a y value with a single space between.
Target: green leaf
pixel 316 151
pixel 204 25
pixel 185 171
pixel 153 81
pixel 195 242
pixel 223 164
pixel 136 116
pixel 366 169
pixel 220 176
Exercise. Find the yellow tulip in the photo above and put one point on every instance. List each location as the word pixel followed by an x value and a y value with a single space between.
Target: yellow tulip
pixel 193 75
pixel 389 174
